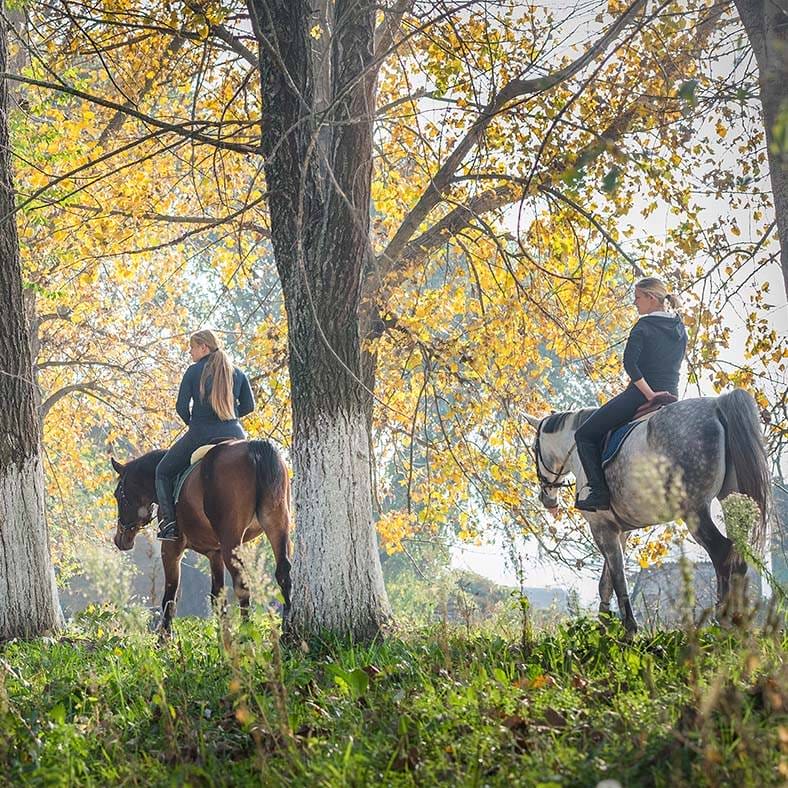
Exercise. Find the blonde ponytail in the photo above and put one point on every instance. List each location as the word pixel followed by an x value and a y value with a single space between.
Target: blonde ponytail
pixel 674 301
pixel 656 288
pixel 219 370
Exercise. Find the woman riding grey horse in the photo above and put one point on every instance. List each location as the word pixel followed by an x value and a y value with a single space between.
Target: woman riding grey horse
pixel 212 397
pixel 652 358
pixel 671 466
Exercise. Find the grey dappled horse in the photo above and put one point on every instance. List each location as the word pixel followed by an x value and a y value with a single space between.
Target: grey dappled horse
pixel 671 466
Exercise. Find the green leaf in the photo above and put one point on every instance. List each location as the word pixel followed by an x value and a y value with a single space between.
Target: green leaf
pixel 358 681
pixel 610 181
pixel 687 92
pixel 58 714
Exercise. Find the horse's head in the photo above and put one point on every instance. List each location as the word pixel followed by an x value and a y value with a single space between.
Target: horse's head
pixel 135 494
pixel 551 459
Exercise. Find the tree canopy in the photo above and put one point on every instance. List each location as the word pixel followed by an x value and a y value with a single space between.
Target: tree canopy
pixel 528 164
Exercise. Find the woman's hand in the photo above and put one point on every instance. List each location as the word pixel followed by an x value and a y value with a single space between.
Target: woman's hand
pixel 644 389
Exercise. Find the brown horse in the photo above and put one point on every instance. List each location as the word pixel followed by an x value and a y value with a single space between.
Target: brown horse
pixel 240 490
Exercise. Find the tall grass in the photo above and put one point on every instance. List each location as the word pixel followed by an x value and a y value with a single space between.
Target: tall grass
pixel 225 703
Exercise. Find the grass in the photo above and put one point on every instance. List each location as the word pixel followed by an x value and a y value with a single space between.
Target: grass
pixel 106 704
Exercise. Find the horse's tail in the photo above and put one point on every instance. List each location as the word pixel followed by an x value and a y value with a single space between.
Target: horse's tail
pixel 746 450
pixel 271 481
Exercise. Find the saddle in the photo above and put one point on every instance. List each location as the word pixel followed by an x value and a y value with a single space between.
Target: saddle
pixel 653 405
pixel 614 439
pixel 197 456
pixel 200 452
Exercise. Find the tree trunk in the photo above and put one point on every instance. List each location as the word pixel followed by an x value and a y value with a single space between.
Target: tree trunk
pixel 28 596
pixel 318 98
pixel 766 24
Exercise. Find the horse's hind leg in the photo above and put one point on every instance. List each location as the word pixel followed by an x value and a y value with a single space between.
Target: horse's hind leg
pixel 235 568
pixel 608 537
pixel 723 554
pixel 217 579
pixel 276 524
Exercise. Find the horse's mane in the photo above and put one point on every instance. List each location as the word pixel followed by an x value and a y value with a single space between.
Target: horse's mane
pixel 146 464
pixel 568 419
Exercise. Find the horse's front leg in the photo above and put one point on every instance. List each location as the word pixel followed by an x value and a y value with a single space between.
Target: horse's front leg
pixel 605 592
pixel 171 554
pixel 608 537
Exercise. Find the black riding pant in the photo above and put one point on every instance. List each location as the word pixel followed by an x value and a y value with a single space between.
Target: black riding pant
pixel 590 434
pixel 612 414
pixel 177 458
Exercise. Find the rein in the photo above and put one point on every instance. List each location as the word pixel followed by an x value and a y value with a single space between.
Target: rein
pixel 543 480
pixel 125 502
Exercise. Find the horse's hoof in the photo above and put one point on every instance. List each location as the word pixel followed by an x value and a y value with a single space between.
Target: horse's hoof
pixel 164 635
pixel 606 619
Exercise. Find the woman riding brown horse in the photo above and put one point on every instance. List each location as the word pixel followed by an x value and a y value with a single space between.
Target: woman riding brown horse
pixel 240 490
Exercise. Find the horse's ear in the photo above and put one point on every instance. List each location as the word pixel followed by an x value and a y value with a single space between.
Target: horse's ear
pixel 533 421
pixel 119 468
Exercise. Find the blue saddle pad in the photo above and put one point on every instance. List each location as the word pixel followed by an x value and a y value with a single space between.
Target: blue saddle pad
pixel 181 480
pixel 615 441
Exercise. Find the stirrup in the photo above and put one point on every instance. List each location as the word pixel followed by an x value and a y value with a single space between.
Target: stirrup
pixel 168 532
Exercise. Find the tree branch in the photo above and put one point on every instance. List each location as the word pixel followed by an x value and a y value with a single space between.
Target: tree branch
pixel 593 220
pixel 386 30
pixel 515 88
pixel 91 389
pixel 174 128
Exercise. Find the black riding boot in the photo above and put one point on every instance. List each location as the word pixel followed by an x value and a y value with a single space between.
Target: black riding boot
pixel 168 530
pixel 598 499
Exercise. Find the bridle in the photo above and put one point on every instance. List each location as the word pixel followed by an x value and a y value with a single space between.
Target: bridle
pixel 125 504
pixel 546 483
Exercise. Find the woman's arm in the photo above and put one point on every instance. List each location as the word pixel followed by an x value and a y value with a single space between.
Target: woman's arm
pixel 245 397
pixel 184 398
pixel 632 351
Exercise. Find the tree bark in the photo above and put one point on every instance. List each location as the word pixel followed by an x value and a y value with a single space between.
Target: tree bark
pixel 318 96
pixel 28 596
pixel 766 24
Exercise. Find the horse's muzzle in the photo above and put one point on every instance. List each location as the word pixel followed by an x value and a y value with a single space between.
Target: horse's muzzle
pixel 547 500
pixel 124 540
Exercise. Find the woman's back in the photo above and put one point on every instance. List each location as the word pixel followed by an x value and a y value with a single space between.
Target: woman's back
pixel 199 395
pixel 655 350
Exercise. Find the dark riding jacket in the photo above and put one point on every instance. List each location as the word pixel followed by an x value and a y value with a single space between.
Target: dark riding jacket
pixel 655 350
pixel 201 414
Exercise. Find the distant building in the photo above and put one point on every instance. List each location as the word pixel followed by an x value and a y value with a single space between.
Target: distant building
pixel 659 594
pixel 780 536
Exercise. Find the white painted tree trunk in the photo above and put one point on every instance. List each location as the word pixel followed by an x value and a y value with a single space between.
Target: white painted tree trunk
pixel 28 596
pixel 318 199
pixel 337 579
